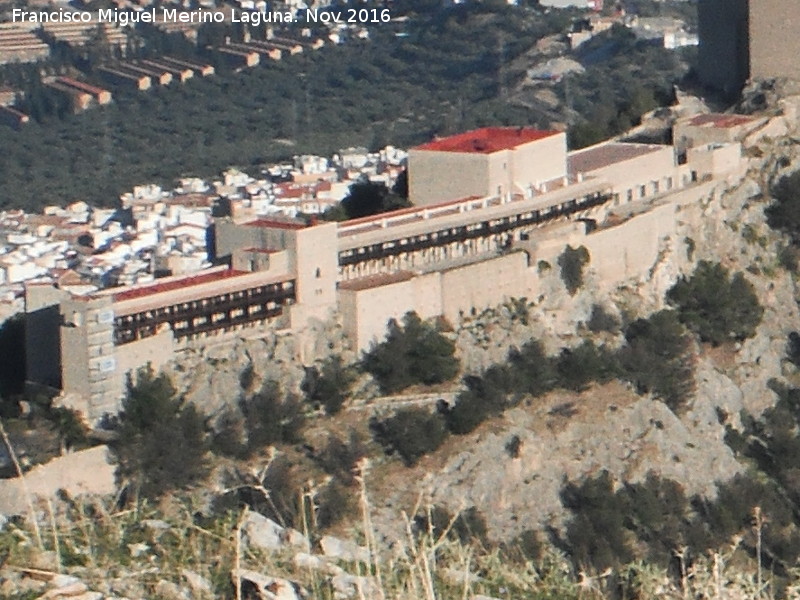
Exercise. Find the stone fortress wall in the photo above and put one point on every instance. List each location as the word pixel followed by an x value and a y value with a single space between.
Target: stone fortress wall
pixel 451 258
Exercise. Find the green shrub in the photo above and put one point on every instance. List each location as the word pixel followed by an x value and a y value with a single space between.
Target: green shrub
pixel 602 320
pixel 514 446
pixel 413 353
pixel 784 213
pixel 658 358
pixel 247 377
pixel 469 411
pixel 271 418
pixel 715 306
pixel 278 495
pixel 596 534
pixel 334 502
pixel 690 247
pixel 572 261
pixel 230 437
pixel 330 386
pixel 793 348
pixel 530 371
pixel 468 526
pixel 339 458
pixel 365 198
pixel 789 257
pixel 580 366
pixel 162 443
pixel 411 433
pixel 526 547
pixel 69 425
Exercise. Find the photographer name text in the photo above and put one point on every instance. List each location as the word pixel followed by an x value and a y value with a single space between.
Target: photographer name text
pixel 200 16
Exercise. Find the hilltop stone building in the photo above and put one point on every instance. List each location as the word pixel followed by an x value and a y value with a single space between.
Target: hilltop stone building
pixel 490 205
pixel 743 40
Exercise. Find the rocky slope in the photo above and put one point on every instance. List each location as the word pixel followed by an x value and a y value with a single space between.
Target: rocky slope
pixel 569 436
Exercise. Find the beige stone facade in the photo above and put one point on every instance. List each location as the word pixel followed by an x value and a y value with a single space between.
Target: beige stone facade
pixel 486 162
pixel 450 259
pixel 774 41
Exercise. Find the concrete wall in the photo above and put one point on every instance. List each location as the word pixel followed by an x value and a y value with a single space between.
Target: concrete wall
pixel 316 265
pixel 774 43
pixel 432 176
pixel 157 350
pixel 311 258
pixel 451 293
pixel 88 368
pixel 366 312
pixel 483 285
pixel 714 160
pixel 250 260
pixel 630 249
pixel 539 161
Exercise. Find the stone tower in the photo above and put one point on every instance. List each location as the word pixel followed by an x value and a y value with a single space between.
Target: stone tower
pixel 747 39
pixel 724 53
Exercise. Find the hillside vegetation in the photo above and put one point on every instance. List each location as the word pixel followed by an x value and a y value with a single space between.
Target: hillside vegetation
pixel 454 70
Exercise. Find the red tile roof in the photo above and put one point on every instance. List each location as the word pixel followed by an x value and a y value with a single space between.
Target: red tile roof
pixel 176 284
pixel 275 224
pixel 261 250
pixel 487 140
pixel 720 120
pixel 81 85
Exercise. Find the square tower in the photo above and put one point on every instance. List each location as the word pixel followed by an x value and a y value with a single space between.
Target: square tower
pixel 493 161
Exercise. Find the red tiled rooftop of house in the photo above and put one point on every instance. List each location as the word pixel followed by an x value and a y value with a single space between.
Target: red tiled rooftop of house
pixel 91 89
pixel 261 250
pixel 487 140
pixel 275 224
pixel 176 284
pixel 720 120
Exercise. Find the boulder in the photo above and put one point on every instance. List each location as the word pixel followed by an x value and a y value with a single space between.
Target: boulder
pixel 172 591
pixel 155 525
pixel 303 560
pixel 268 588
pixel 65 586
pixel 354 586
pixel 336 548
pixel 200 586
pixel 138 549
pixel 297 540
pixel 88 596
pixel 457 576
pixel 263 533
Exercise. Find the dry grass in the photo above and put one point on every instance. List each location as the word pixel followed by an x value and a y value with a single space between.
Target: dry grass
pixel 113 551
